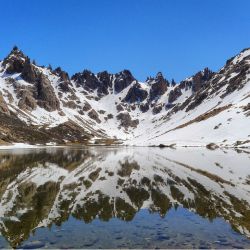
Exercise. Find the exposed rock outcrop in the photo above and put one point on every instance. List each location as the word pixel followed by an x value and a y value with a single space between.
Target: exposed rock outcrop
pixel 65 83
pixel 86 106
pixel 159 86
pixel 64 76
pixel 3 105
pixel 144 107
pixel 123 80
pixel 45 94
pixel 86 79
pixel 157 109
pixel 136 94
pixel 106 82
pixel 94 115
pixel 27 100
pixel 126 120
pixel 174 94
pixel 14 62
pixel 201 78
pixel 29 73
pixel 91 82
pixel 119 107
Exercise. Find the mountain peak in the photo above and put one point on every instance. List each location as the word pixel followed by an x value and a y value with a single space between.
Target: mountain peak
pixel 112 106
pixel 123 79
pixel 159 76
pixel 16 52
pixel 14 62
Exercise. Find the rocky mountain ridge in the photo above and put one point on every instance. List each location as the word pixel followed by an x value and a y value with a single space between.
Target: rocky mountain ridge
pixel 42 105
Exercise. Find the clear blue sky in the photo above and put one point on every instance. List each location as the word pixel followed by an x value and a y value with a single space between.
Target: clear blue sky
pixel 177 37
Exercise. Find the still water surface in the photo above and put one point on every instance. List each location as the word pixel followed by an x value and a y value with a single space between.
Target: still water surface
pixel 124 198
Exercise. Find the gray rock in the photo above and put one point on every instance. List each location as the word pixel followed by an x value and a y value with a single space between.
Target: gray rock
pixel 123 80
pixel 94 115
pixel 3 105
pixel 126 120
pixel 136 94
pixel 45 94
pixel 174 94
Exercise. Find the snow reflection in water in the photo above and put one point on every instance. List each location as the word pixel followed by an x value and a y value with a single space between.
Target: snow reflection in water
pixel 124 197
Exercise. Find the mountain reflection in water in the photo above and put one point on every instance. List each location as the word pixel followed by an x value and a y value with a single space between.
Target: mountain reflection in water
pixel 47 187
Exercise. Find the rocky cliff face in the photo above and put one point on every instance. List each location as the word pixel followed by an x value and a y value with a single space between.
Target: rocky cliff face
pixel 46 97
pixel 159 86
pixel 14 62
pixel 136 94
pixel 111 107
pixel 3 105
pixel 103 81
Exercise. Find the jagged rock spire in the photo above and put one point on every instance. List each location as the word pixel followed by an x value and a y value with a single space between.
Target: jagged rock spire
pixel 159 86
pixel 14 62
pixel 123 80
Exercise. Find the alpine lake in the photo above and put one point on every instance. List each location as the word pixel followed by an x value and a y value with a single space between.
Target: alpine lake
pixel 124 197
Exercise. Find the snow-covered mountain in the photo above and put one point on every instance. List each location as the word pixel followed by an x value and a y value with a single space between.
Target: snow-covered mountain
pixel 41 105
